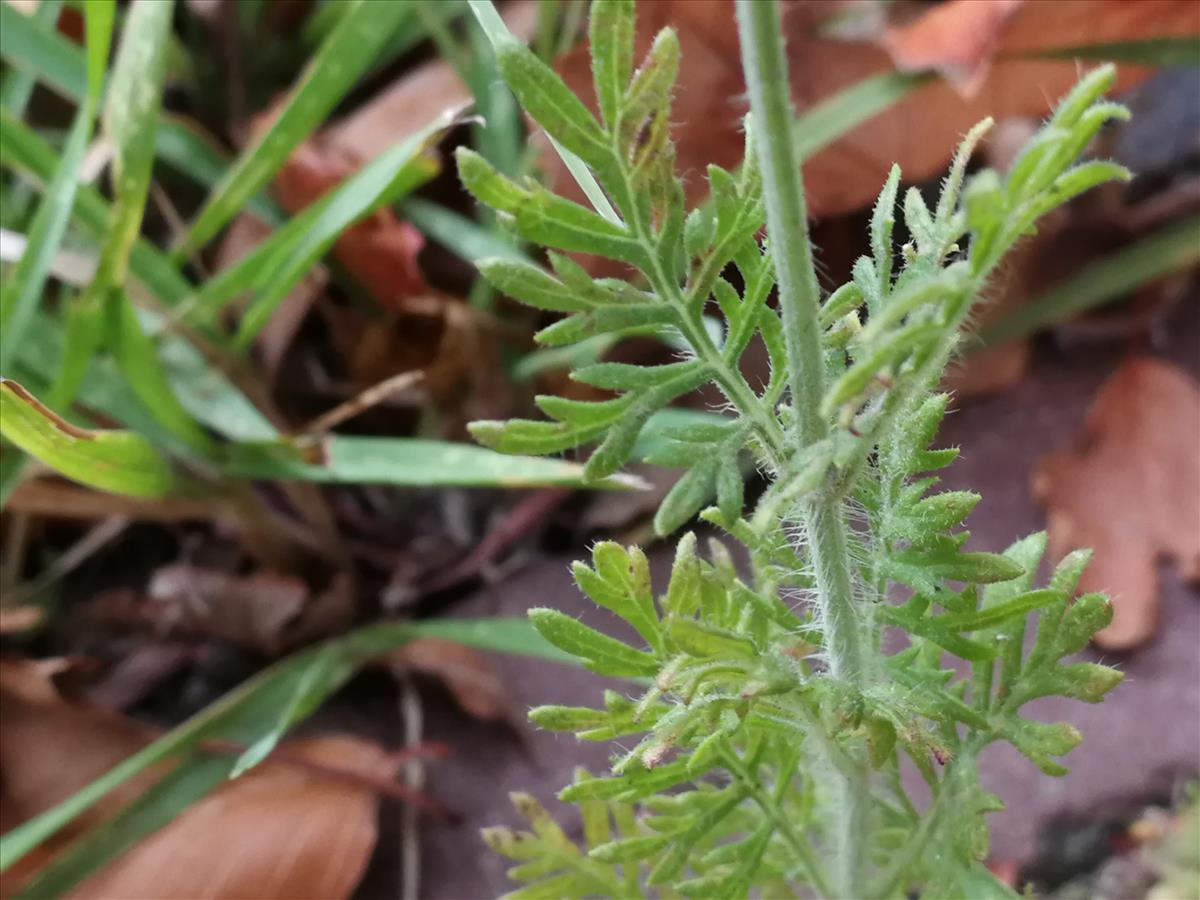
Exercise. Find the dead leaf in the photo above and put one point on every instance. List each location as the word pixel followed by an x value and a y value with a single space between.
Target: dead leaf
pixel 1130 490
pixel 49 749
pixel 281 831
pixel 381 250
pixel 956 39
pixel 302 824
pixel 414 100
pixel 269 611
pixel 15 619
pixel 919 132
pixel 469 676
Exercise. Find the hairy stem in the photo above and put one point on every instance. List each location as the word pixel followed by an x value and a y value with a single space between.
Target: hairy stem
pixel 765 65
pixel 765 68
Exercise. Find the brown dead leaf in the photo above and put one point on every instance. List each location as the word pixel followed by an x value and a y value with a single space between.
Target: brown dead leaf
pixel 1130 490
pixel 302 824
pixel 49 749
pixel 920 131
pixel 380 251
pixel 269 611
pixel 15 619
pixel 414 100
pixel 956 39
pixel 469 676
pixel 281 831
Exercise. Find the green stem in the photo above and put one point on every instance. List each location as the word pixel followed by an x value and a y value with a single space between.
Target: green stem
pixel 773 810
pixel 765 65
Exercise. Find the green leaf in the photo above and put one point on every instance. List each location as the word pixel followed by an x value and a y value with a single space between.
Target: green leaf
pixel 530 284
pixel 629 849
pixel 610 34
pixel 994 614
pixel 349 50
pixel 600 653
pixel 40 50
pixel 16 85
pixel 122 462
pixel 698 638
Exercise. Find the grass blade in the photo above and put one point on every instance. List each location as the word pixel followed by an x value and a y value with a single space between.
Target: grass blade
pixel 828 120
pixel 1167 250
pixel 411 462
pixel 464 237
pixel 385 179
pixel 121 462
pixel 104 309
pixel 23 290
pixel 240 716
pixel 1166 51
pixel 29 154
pixel 350 49
pixel 17 84
pixel 36 48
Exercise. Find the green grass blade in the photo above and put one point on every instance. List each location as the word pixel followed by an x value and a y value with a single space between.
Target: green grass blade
pixel 465 238
pixel 36 48
pixel 22 291
pixel 37 51
pixel 29 154
pixel 828 120
pixel 244 715
pixel 1166 51
pixel 349 50
pixel 194 155
pixel 121 462
pixel 411 462
pixel 202 388
pixel 16 86
pixel 388 177
pixel 1167 250
pixel 130 120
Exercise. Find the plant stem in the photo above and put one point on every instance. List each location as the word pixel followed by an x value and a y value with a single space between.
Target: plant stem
pixel 765 68
pixel 765 65
pixel 773 811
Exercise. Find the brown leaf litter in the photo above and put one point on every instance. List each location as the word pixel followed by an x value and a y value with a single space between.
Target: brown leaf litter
pixel 300 825
pixel 1129 488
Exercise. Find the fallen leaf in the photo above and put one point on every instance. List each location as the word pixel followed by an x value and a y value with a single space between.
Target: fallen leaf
pixel 467 674
pixel 50 748
pixel 919 132
pixel 956 39
pixel 15 619
pixel 268 611
pixel 416 98
pixel 302 824
pixel 380 251
pixel 280 831
pixel 1130 490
